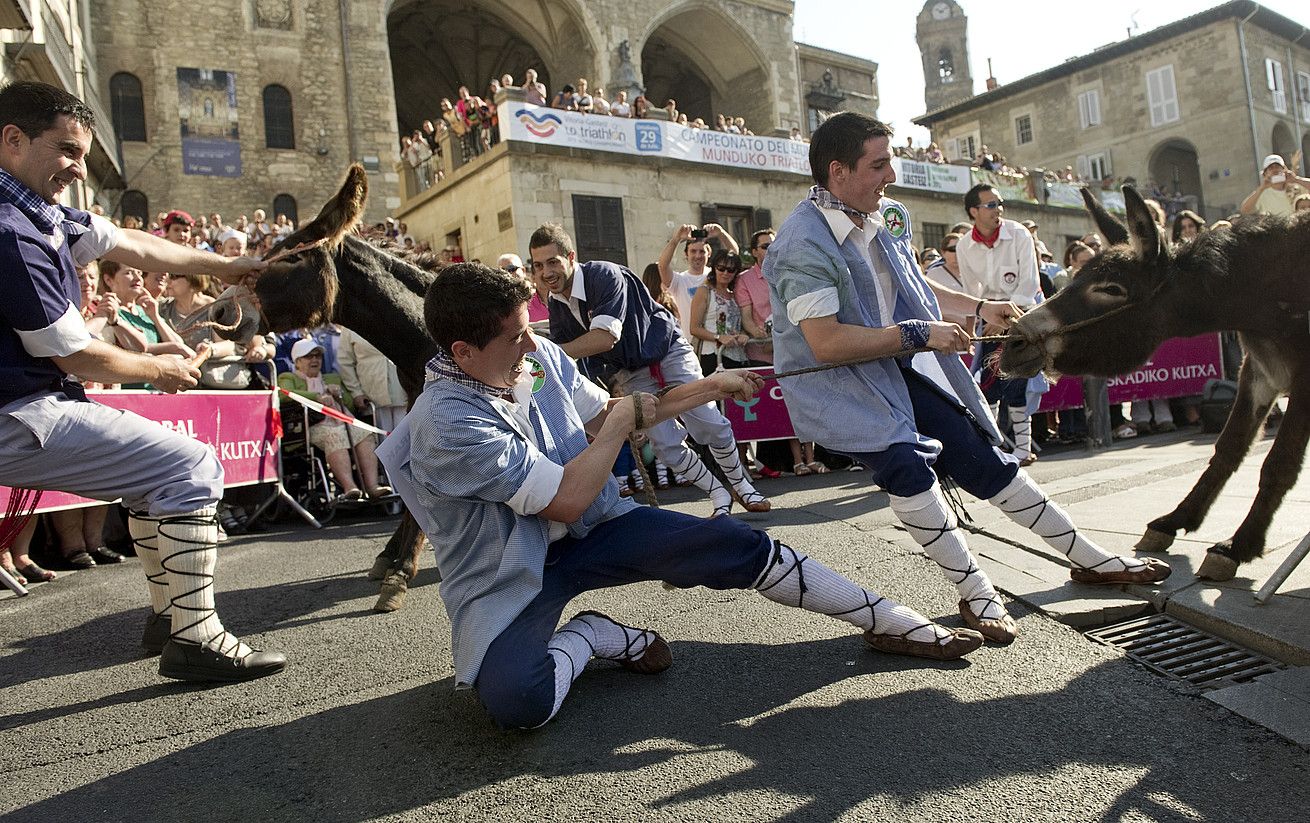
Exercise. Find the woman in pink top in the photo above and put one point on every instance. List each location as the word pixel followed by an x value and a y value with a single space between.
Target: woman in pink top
pixel 752 292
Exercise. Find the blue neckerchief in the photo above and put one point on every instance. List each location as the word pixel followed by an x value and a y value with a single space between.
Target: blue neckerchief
pixel 43 215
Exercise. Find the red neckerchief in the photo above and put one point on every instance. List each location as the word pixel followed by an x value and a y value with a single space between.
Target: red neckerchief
pixel 989 242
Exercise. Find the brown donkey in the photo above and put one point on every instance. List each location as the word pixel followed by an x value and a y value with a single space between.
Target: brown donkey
pixel 1252 279
pixel 366 286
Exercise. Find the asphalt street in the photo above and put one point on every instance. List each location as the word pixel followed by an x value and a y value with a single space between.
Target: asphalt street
pixel 767 713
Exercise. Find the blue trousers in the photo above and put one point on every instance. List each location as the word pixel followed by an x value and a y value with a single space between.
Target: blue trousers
pixel 967 456
pixel 517 680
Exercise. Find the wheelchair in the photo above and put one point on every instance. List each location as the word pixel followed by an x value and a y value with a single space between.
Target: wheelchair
pixel 306 477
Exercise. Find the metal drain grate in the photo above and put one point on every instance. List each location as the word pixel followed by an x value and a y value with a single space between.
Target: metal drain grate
pixel 1175 649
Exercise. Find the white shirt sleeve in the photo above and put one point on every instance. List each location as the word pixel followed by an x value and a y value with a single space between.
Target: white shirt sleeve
pixel 61 338
pixel 613 325
pixel 102 238
pixel 589 399
pixel 540 487
pixel 821 303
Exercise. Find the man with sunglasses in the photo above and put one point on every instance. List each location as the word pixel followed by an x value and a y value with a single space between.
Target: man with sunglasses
pixel 998 262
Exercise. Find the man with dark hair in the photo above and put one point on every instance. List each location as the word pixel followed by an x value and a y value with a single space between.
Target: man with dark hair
pixel 170 482
pixel 495 464
pixel 603 316
pixel 998 261
pixel 696 249
pixel 846 289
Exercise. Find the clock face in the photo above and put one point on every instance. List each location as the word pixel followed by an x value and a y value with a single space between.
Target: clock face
pixel 941 11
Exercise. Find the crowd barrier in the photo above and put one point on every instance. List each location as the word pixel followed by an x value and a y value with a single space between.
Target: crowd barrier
pixel 241 427
pixel 1179 368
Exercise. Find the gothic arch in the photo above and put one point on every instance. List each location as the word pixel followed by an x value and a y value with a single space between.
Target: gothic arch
pixel 438 45
pixel 697 41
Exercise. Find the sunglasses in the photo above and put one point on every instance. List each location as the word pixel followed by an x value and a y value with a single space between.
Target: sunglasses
pixel 732 269
pixel 949 248
pixel 512 269
pixel 992 204
pixel 764 246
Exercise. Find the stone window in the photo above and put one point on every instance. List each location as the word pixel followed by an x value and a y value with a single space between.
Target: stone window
pixel 1303 95
pixel 599 225
pixel 1023 129
pixel 1277 89
pixel 1089 108
pixel 286 204
pixel 933 235
pixel 1096 166
pixel 127 107
pixel 279 126
pixel 945 65
pixel 1162 96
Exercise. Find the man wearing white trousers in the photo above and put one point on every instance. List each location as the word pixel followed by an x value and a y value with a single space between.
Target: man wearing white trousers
pixel 52 437
pixel 604 317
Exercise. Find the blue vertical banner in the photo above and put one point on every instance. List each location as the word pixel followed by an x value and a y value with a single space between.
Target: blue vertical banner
pixel 207 113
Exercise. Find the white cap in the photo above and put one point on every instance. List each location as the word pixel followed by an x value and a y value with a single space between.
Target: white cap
pixel 304 346
pixel 231 234
pixel 1270 160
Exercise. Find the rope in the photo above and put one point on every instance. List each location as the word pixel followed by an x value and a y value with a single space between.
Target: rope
pixel 22 504
pixel 996 338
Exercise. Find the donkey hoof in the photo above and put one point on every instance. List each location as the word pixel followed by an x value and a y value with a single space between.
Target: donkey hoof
pixel 1154 541
pixel 1217 566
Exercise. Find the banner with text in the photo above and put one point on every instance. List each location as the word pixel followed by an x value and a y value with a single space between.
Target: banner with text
pixel 1179 368
pixel 912 174
pixel 764 416
pixel 239 426
pixel 657 138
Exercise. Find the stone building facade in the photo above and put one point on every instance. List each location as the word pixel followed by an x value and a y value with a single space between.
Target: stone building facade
pixel 48 42
pixel 318 84
pixel 1192 106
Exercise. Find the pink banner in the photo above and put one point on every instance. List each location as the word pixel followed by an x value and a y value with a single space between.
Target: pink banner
pixel 763 417
pixel 1179 368
pixel 239 426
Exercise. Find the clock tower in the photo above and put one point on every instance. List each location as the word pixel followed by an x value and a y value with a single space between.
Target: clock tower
pixel 943 37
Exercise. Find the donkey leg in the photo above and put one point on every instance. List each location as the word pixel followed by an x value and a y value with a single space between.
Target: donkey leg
pixel 404 547
pixel 1254 397
pixel 1277 476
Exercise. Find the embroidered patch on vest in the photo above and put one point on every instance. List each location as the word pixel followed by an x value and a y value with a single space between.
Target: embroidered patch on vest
pixel 894 218
pixel 537 371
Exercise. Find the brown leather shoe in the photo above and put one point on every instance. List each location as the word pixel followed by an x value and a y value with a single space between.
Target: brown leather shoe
pixel 961 643
pixel 657 657
pixel 1001 630
pixel 1154 571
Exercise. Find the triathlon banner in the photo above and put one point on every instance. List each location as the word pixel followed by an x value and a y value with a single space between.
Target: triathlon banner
pixel 657 138
pixel 241 427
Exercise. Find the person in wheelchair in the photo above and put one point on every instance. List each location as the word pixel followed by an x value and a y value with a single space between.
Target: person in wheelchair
pixel 333 437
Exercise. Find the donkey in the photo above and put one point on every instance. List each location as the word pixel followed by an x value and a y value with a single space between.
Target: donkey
pixel 366 287
pixel 1251 279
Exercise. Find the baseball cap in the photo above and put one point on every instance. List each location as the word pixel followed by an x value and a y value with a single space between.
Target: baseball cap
pixel 1272 159
pixel 1029 224
pixel 1042 251
pixel 304 346
pixel 177 216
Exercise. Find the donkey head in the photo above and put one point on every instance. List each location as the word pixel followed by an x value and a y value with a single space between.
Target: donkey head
pixel 300 289
pixel 1108 320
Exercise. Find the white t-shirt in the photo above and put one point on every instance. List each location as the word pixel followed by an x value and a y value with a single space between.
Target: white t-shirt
pixel 682 288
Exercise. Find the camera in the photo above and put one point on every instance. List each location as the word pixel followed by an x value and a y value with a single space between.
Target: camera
pixel 699 234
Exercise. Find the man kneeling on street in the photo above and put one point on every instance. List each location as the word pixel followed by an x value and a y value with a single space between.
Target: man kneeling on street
pixel 524 515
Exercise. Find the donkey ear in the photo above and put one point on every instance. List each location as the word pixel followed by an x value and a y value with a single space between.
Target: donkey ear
pixel 340 214
pixel 1111 229
pixel 1148 241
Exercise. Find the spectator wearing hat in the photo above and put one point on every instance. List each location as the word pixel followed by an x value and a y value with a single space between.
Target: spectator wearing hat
pixel 1278 188
pixel 177 227
pixel 232 243
pixel 332 436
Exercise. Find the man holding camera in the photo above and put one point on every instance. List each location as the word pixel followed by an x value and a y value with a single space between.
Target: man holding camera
pixel 1278 188
pixel 696 247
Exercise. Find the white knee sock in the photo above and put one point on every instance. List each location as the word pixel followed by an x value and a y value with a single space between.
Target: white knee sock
pixel 1022 425
pixel 729 460
pixel 145 531
pixel 793 579
pixel 686 463
pixel 1026 505
pixel 587 635
pixel 933 526
pixel 188 553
